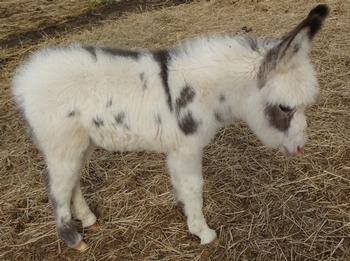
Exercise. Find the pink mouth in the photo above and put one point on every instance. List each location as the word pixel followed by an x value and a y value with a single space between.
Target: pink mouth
pixel 301 149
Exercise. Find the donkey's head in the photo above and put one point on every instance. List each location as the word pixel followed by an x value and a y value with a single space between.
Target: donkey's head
pixel 287 84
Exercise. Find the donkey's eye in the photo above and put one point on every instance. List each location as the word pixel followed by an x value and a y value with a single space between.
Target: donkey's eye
pixel 285 108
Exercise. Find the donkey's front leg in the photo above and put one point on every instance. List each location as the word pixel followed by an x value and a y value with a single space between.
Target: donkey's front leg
pixel 186 176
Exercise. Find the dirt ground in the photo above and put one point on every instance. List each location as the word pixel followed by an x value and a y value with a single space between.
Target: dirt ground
pixel 263 206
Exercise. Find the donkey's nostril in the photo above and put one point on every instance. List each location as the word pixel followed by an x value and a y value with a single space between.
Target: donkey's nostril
pixel 300 149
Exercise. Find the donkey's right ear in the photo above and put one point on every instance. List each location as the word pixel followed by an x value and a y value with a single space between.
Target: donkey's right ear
pixel 313 22
pixel 294 44
pixel 299 39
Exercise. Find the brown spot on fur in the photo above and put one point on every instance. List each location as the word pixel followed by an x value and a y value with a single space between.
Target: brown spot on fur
pixel 222 98
pixel 188 124
pixel 218 117
pixel 98 121
pixel 278 118
pixel 185 119
pixel 143 80
pixel 109 103
pixel 71 114
pixel 186 96
pixel 120 119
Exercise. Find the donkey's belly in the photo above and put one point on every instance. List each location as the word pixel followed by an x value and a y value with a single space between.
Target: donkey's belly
pixel 126 140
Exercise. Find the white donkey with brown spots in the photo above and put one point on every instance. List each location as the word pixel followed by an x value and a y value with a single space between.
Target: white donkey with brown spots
pixel 173 101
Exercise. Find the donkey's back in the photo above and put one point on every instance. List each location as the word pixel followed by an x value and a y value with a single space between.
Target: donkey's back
pixel 114 97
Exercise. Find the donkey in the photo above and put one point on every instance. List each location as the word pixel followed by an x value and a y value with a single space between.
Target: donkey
pixel 170 100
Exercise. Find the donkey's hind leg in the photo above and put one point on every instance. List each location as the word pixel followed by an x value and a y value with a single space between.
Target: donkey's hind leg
pixel 63 177
pixel 80 208
pixel 64 156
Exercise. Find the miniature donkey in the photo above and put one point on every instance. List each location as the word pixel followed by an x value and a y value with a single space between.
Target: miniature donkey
pixel 172 100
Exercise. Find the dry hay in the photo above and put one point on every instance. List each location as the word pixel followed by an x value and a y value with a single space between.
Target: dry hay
pixel 20 16
pixel 265 207
pixel 25 23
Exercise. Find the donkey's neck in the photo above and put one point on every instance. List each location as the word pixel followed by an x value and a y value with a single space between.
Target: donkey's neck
pixel 222 71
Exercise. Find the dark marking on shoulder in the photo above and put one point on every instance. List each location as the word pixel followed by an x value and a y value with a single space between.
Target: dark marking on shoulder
pixel 222 98
pixel 277 118
pixel 68 233
pixel 109 103
pixel 186 96
pixel 121 52
pixel 98 121
pixel 71 113
pixel 91 50
pixel 185 119
pixel 162 57
pixel 188 124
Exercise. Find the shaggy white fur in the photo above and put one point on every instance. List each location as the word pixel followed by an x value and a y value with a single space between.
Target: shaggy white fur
pixel 170 101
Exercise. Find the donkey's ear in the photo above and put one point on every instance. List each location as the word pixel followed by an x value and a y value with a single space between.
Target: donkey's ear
pixel 313 22
pixel 296 41
pixel 299 39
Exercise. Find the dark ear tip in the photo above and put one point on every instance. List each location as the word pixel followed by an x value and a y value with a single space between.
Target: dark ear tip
pixel 320 10
pixel 315 19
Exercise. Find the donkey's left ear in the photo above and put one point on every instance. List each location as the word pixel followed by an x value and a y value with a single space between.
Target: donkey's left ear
pixel 299 39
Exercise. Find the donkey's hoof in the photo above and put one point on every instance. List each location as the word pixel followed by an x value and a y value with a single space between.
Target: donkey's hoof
pixel 94 227
pixel 81 247
pixel 208 236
